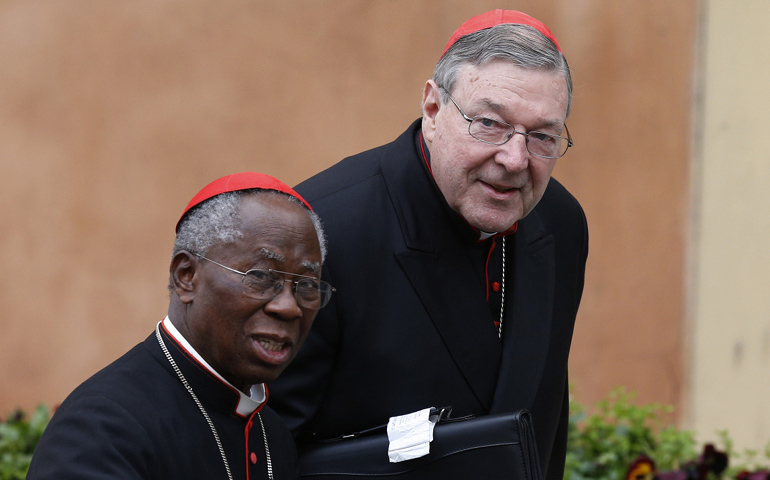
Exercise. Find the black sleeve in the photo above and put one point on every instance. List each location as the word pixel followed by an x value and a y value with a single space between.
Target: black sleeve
pixel 93 438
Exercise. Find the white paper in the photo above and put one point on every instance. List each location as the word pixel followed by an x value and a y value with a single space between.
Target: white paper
pixel 410 435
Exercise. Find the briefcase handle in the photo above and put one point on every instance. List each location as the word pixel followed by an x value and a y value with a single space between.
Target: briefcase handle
pixel 444 416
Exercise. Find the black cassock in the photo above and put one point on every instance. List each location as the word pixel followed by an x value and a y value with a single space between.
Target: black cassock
pixel 135 420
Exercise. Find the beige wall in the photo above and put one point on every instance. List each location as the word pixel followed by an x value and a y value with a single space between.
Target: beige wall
pixel 730 285
pixel 113 114
pixel 632 63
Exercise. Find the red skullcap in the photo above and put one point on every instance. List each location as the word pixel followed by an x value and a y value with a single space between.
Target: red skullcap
pixel 497 17
pixel 236 182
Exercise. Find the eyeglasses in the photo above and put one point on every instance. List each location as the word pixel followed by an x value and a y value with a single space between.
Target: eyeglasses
pixel 495 132
pixel 266 284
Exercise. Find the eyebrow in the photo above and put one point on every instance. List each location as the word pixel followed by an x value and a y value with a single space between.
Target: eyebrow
pixel 271 255
pixel 314 267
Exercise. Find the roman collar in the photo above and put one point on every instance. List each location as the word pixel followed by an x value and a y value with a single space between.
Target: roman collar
pixel 208 384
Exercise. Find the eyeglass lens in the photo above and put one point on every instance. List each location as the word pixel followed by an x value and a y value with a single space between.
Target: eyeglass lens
pixel 266 284
pixel 538 143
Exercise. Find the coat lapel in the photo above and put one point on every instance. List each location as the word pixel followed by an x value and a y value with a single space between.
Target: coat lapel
pixel 527 326
pixel 469 337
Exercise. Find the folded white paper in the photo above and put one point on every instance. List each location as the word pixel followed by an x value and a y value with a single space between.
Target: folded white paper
pixel 410 435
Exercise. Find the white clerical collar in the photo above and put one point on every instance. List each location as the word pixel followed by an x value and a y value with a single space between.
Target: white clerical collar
pixel 246 404
pixel 485 235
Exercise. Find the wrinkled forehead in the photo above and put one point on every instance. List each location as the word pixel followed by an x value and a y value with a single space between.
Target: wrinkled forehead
pixel 268 219
pixel 264 210
pixel 494 84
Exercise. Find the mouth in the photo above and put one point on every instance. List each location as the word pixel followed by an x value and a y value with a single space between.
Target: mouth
pixel 271 345
pixel 275 351
pixel 501 190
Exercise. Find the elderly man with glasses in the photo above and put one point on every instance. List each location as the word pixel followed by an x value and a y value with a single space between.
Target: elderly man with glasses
pixel 189 402
pixel 459 261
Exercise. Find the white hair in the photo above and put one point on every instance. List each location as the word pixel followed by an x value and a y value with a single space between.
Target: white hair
pixel 215 221
pixel 521 45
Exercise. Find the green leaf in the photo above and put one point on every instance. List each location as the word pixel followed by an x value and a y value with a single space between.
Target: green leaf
pixel 19 435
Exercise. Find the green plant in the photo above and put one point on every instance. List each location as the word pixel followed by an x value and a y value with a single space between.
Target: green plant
pixel 19 434
pixel 622 436
pixel 603 445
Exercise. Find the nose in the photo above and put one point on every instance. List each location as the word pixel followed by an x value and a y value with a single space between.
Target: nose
pixel 513 154
pixel 284 305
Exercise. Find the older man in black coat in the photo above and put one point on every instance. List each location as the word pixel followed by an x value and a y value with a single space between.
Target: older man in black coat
pixel 189 402
pixel 458 260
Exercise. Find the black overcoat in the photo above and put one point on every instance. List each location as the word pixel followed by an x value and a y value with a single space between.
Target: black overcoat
pixel 409 326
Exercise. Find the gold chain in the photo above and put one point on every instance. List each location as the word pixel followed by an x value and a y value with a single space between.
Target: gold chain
pixel 502 298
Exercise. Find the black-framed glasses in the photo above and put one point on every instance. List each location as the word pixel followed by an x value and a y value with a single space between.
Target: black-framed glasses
pixel 496 132
pixel 266 284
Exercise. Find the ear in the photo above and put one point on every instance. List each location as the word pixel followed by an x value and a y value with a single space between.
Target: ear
pixel 431 104
pixel 183 271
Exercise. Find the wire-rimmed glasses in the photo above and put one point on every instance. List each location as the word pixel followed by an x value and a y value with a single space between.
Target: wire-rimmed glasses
pixel 266 284
pixel 496 132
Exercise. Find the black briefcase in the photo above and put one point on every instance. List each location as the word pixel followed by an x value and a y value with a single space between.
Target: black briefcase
pixel 490 447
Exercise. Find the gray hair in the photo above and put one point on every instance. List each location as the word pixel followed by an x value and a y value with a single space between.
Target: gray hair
pixel 521 45
pixel 215 221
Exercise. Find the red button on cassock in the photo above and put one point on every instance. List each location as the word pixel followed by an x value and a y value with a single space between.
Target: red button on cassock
pixel 253 457
pixel 495 286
